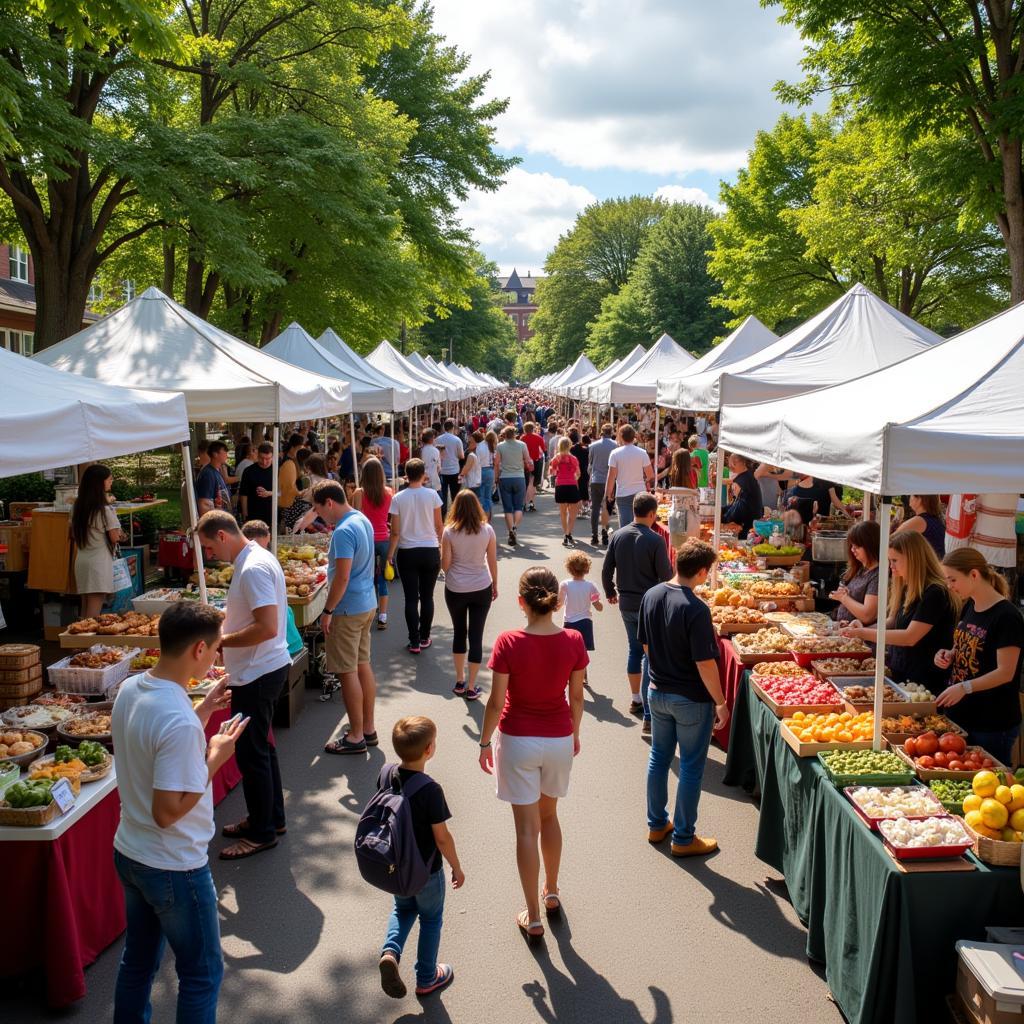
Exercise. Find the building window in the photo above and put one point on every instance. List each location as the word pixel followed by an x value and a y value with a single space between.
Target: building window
pixel 19 342
pixel 129 290
pixel 28 343
pixel 18 263
pixel 95 294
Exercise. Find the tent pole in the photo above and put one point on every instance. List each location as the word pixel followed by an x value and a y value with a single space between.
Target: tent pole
pixel 274 487
pixel 394 457
pixel 355 447
pixel 719 471
pixel 657 441
pixel 883 613
pixel 190 497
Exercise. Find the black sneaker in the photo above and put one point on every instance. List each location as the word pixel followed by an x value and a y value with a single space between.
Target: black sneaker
pixel 645 729
pixel 565 540
pixel 593 539
pixel 604 537
pixel 512 538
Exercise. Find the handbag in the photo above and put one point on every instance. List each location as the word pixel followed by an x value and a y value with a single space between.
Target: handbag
pixel 123 591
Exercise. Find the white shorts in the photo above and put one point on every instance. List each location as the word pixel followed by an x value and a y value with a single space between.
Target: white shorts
pixel 527 766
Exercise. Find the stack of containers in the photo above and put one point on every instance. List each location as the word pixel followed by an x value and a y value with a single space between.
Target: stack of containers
pixel 21 674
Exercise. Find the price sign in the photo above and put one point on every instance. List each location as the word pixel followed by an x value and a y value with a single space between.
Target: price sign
pixel 62 795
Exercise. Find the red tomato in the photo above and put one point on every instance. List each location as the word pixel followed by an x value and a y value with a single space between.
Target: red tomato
pixel 927 743
pixel 956 766
pixel 952 743
pixel 986 762
pixel 911 747
pixel 927 761
pixel 940 759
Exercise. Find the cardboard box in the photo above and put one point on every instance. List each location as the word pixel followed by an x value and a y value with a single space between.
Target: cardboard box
pixel 17 538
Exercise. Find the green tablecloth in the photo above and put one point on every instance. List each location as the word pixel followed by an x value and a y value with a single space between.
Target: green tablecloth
pixel 886 938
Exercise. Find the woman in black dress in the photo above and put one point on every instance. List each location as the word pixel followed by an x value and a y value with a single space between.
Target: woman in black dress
pixel 579 449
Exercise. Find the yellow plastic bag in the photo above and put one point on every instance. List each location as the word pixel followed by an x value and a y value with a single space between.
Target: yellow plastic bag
pixel 389 571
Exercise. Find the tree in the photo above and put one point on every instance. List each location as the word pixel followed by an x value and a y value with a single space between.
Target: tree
pixel 928 65
pixel 827 201
pixel 478 334
pixel 591 261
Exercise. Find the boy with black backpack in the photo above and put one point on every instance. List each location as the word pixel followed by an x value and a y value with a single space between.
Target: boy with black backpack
pixel 410 801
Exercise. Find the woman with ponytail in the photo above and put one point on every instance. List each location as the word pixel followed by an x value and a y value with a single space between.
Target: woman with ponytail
pixel 537 736
pixel 985 661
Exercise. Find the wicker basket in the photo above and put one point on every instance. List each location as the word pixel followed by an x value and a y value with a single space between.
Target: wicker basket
pixel 15 676
pixel 69 679
pixel 24 691
pixel 995 851
pixel 18 656
pixel 30 816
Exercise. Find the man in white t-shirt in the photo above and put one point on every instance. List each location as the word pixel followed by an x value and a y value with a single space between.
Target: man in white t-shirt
pixel 256 657
pixel 629 472
pixel 452 454
pixel 164 769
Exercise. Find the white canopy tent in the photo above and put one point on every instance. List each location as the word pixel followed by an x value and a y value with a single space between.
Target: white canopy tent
pixel 665 358
pixel 390 362
pixel 578 389
pixel 748 340
pixel 579 370
pixel 153 342
pixel 457 388
pixel 339 350
pixel 857 334
pixel 610 372
pixel 50 418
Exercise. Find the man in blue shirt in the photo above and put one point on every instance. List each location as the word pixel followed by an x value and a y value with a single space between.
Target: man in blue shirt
pixel 212 489
pixel 349 613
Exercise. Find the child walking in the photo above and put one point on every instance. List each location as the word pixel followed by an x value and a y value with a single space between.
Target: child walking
pixel 415 741
pixel 577 595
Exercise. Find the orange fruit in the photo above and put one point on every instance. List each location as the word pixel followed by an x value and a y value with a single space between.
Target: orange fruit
pixel 994 814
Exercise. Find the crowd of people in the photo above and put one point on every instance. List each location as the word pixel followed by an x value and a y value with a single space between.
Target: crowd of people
pixel 951 626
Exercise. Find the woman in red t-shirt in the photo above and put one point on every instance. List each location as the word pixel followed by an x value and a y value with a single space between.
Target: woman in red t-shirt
pixel 537 736
pixel 536 447
pixel 373 499
pixel 565 470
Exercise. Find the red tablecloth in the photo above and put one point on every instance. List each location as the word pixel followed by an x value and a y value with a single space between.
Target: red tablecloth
pixel 731 670
pixel 64 903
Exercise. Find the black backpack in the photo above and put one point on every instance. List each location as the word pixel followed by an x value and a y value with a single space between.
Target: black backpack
pixel 386 849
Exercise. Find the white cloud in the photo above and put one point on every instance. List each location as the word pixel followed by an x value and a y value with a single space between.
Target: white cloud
pixel 519 223
pixel 685 194
pixel 665 87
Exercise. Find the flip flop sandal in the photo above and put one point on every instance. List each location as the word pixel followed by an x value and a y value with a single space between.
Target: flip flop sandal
pixel 343 746
pixel 552 909
pixel 529 928
pixel 238 830
pixel 250 849
pixel 473 694
pixel 369 738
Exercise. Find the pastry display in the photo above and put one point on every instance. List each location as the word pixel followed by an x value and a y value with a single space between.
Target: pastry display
pixel 98 657
pixel 36 716
pixel 14 742
pixel 728 616
pixel 131 624
pixel 94 723
pixel 764 641
pixel 779 668
pixel 827 645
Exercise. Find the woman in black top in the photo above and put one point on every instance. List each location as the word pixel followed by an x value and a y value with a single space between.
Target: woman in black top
pixel 580 449
pixel 927 520
pixel 922 617
pixel 745 491
pixel 858 593
pixel 985 661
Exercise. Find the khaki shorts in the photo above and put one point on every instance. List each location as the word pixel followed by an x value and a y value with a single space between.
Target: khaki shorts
pixel 348 642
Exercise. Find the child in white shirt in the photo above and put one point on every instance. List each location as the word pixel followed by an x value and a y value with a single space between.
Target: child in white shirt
pixel 577 595
pixel 431 457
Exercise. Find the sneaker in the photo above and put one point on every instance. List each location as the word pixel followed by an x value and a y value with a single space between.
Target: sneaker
pixel 636 707
pixel 565 540
pixel 512 538
pixel 656 835
pixel 604 538
pixel 593 539
pixel 390 979
pixel 382 621
pixel 697 847
pixel 460 689
pixel 424 644
pixel 571 539
pixel 645 729
pixel 413 648
pixel 444 977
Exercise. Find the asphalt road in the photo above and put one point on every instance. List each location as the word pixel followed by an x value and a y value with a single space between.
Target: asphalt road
pixel 644 938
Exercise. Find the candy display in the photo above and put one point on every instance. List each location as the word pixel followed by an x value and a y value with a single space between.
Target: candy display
pixel 794 691
pixel 896 802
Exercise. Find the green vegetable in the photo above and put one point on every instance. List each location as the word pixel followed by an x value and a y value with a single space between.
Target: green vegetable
pixel 864 762
pixel 63 754
pixel 30 794
pixel 92 753
pixel 951 791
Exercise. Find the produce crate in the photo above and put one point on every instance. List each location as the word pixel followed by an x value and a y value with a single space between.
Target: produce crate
pixel 786 710
pixel 753 659
pixel 71 679
pixel 802 749
pixel 888 707
pixel 155 602
pixel 994 851
pixel 927 774
pixel 872 823
pixel 897 739
pixel 829 676
pixel 879 779
pixel 28 816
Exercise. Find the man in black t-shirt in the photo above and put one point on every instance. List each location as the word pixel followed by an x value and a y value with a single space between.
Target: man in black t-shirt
pixel 256 488
pixel 685 696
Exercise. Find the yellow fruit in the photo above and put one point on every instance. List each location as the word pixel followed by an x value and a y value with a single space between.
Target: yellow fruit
pixel 1010 836
pixel 973 818
pixel 994 814
pixel 1003 794
pixel 1017 820
pixel 972 802
pixel 988 833
pixel 1017 791
pixel 985 783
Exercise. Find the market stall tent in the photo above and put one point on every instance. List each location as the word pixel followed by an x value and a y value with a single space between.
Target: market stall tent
pixel 665 358
pixel 580 369
pixel 576 390
pixel 390 362
pixel 457 388
pixel 610 372
pixel 296 346
pixel 339 350
pixel 151 342
pixel 857 334
pixel 749 339
pixel 50 418
pixel 948 420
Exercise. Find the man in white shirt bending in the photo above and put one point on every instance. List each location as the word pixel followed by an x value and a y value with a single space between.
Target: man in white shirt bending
pixel 629 472
pixel 256 657
pixel 164 770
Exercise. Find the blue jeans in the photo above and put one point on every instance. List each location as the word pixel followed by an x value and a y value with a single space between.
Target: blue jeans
pixel 485 492
pixel 513 494
pixel 176 907
pixel 679 722
pixel 998 744
pixel 380 550
pixel 428 906
pixel 636 660
pixel 625 507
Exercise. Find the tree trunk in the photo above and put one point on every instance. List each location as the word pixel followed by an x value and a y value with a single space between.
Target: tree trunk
pixel 60 301
pixel 168 281
pixel 1013 227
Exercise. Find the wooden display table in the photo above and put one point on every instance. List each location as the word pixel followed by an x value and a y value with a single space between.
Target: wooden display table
pixel 308 609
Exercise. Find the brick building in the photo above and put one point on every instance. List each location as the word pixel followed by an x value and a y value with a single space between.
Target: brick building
pixel 519 304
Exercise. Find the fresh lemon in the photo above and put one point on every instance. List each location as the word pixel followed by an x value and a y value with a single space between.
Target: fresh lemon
pixel 972 802
pixel 1003 795
pixel 1017 820
pixel 985 783
pixel 994 814
pixel 973 818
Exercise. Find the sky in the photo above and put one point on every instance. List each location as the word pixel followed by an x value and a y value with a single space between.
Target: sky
pixel 658 97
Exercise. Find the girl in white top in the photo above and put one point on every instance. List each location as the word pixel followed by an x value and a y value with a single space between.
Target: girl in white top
pixel 469 475
pixel 577 596
pixel 431 459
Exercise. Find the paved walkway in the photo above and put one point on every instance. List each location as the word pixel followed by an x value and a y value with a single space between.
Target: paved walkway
pixel 644 939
